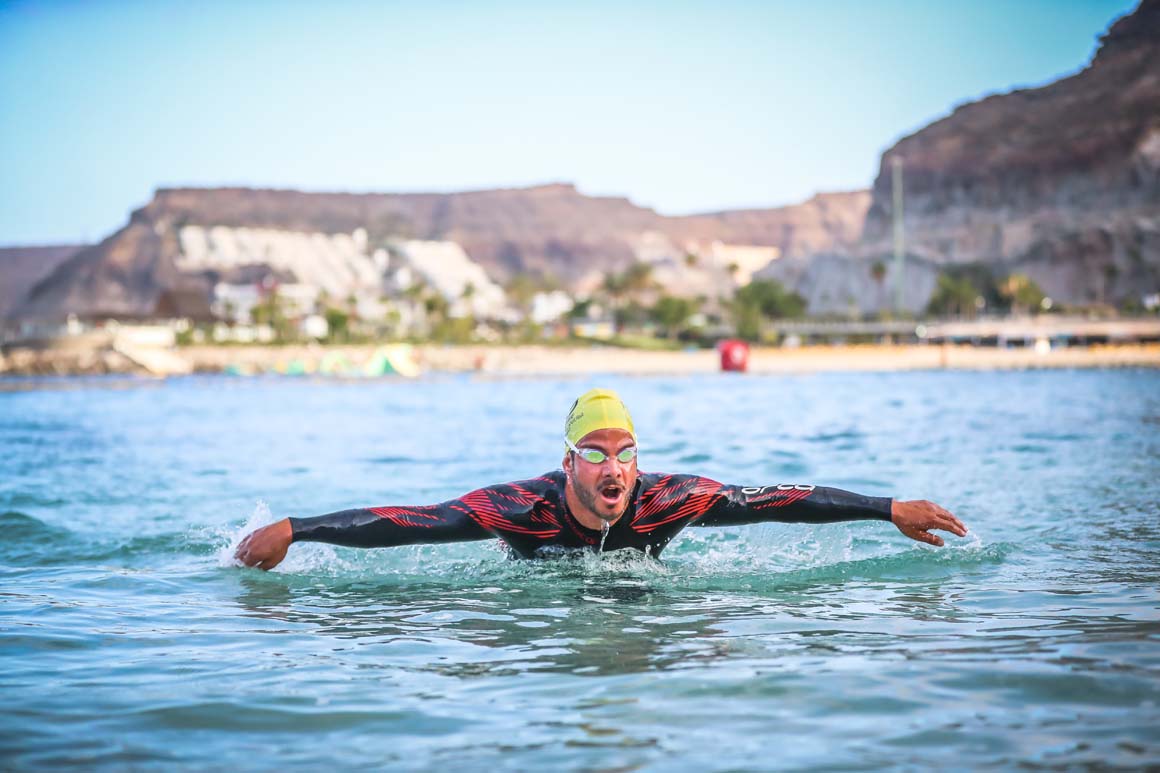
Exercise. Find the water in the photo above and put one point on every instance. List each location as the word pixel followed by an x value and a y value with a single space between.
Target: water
pixel 128 639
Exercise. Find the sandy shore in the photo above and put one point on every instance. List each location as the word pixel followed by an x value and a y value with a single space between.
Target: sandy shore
pixel 518 361
pixel 549 361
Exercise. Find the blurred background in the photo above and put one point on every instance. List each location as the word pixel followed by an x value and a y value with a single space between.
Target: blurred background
pixel 658 175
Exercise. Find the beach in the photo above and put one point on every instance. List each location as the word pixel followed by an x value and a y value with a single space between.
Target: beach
pixel 533 361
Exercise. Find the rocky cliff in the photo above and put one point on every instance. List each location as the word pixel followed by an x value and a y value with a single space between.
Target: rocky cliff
pixel 545 230
pixel 21 268
pixel 1060 182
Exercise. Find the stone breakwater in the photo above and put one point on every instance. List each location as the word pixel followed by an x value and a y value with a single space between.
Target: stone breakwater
pixel 533 361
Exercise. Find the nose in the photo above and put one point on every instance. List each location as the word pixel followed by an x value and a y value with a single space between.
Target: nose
pixel 612 465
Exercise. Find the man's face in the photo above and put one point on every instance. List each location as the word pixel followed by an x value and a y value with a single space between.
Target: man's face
pixel 603 489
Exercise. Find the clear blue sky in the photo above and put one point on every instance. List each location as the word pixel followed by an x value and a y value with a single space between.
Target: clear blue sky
pixel 680 106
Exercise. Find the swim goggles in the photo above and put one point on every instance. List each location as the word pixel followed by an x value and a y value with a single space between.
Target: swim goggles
pixel 596 456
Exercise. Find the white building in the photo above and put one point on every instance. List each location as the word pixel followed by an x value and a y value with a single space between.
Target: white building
pixel 550 307
pixel 338 264
pixel 451 272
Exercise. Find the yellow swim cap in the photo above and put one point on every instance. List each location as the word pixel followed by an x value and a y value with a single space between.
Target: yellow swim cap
pixel 597 409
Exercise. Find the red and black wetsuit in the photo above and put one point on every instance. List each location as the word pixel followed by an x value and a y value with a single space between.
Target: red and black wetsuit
pixel 530 515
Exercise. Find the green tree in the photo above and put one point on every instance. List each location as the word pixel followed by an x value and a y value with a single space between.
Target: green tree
pixel 631 314
pixel 521 290
pixel 615 286
pixel 580 309
pixel 1021 293
pixel 638 278
pixel 271 311
pixel 954 295
pixel 672 314
pixel 436 306
pixel 771 298
pixel 760 300
pixel 337 324
pixel 628 285
pixel 747 321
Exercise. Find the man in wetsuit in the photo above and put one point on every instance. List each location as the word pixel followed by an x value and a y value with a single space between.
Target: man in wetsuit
pixel 598 500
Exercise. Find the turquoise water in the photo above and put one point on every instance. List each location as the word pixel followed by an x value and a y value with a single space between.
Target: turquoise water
pixel 129 640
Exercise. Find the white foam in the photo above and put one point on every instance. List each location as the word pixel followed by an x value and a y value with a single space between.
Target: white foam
pixel 301 559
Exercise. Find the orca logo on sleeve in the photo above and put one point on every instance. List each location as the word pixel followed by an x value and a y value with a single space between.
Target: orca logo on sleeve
pixel 754 490
pixel 761 497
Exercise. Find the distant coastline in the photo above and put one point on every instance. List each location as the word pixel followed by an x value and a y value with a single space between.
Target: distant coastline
pixel 573 361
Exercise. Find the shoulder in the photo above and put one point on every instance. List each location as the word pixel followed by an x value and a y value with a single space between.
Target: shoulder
pixel 523 507
pixel 548 487
pixel 668 498
pixel 656 483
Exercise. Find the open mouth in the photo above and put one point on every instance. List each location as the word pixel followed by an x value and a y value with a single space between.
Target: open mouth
pixel 611 493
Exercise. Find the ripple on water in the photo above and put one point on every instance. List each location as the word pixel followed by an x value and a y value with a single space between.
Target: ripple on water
pixel 131 640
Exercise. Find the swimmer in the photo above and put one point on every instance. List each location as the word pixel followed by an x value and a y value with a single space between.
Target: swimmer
pixel 598 501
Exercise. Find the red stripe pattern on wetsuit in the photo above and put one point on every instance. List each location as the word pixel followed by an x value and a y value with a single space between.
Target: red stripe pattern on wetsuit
pixel 674 498
pixel 426 516
pixel 779 497
pixel 493 508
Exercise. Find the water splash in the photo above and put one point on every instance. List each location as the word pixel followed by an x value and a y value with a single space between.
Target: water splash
pixel 604 527
pixel 301 559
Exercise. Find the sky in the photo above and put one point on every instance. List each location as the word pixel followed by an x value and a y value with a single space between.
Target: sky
pixel 679 106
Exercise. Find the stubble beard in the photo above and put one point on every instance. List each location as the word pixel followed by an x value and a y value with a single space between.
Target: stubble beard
pixel 590 498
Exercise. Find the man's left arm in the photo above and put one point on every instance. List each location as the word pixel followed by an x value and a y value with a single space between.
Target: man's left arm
pixel 820 504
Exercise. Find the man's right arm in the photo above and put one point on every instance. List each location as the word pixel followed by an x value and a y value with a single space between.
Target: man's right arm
pixel 365 528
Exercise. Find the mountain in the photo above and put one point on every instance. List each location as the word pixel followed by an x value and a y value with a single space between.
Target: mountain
pixel 550 230
pixel 23 267
pixel 1061 183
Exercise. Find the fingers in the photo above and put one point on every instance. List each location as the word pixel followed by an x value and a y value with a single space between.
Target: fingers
pixel 245 554
pixel 948 522
pixel 955 527
pixel 922 535
pixel 938 517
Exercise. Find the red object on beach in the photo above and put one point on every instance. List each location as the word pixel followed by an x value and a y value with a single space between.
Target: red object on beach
pixel 734 355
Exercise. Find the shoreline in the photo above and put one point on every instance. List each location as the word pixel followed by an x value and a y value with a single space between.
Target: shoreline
pixel 548 361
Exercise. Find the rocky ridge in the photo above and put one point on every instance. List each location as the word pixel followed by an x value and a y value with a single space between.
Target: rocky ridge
pixel 550 230
pixel 1060 182
pixel 23 267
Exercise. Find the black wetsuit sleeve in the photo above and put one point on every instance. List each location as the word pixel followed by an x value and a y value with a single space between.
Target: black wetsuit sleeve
pixel 378 527
pixel 736 505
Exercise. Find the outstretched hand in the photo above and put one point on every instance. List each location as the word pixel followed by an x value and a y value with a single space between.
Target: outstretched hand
pixel 916 517
pixel 266 547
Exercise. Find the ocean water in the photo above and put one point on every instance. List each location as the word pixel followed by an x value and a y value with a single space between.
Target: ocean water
pixel 129 640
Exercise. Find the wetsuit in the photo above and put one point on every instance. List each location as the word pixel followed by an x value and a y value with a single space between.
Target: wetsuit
pixel 532 515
